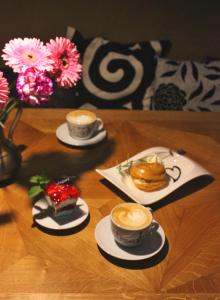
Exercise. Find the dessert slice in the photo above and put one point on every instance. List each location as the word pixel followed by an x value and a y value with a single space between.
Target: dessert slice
pixel 61 197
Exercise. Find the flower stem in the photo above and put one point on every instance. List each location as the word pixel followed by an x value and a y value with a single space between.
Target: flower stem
pixel 12 103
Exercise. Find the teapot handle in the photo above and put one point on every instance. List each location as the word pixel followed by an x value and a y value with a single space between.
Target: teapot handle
pixel 15 121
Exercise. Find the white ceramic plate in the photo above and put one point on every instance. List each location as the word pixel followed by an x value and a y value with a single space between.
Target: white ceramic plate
pixel 63 135
pixel 181 169
pixel 152 244
pixel 43 216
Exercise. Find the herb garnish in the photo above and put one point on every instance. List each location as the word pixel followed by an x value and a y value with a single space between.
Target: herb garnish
pixel 124 168
pixel 40 181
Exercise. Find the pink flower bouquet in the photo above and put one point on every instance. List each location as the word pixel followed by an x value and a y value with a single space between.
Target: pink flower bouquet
pixel 38 66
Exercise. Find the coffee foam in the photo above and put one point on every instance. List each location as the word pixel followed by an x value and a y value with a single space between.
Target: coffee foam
pixel 132 216
pixel 81 119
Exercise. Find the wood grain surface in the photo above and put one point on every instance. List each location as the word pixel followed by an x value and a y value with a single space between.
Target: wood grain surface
pixel 35 264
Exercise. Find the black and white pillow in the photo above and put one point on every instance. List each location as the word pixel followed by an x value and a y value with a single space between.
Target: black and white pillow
pixel 115 75
pixel 186 85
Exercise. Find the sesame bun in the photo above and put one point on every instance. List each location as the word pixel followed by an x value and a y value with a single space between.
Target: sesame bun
pixel 149 176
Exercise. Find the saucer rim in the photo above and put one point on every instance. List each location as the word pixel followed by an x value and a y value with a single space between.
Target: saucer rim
pixel 98 137
pixel 56 227
pixel 130 257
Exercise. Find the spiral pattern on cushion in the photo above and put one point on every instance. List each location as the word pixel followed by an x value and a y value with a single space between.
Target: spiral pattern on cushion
pixel 109 74
pixel 115 75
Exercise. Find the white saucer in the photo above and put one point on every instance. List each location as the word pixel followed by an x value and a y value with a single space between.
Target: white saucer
pixel 152 244
pixel 62 134
pixel 43 216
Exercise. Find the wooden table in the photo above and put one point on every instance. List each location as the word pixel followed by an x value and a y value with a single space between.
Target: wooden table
pixel 38 265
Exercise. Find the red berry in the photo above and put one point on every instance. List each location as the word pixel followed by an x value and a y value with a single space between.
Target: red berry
pixel 61 192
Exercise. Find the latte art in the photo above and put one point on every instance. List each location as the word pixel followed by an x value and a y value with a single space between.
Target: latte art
pixel 132 216
pixel 82 119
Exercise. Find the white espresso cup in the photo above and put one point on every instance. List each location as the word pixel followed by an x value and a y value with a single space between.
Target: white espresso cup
pixel 83 124
pixel 130 222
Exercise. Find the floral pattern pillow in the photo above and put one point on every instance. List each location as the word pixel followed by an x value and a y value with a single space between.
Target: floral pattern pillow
pixel 186 85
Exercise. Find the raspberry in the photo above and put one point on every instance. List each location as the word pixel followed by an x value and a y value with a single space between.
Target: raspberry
pixel 61 192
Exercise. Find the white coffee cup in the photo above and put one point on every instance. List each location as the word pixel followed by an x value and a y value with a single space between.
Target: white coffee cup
pixel 130 222
pixel 83 124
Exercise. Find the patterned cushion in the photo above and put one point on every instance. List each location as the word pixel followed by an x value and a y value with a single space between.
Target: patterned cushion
pixel 115 75
pixel 186 85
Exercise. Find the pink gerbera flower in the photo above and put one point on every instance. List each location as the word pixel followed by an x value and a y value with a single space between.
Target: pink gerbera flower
pixel 66 66
pixel 4 91
pixel 21 54
pixel 34 87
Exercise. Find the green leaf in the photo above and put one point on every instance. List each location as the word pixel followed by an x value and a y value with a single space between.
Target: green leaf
pixel 44 181
pixel 39 179
pixel 34 191
pixel 34 179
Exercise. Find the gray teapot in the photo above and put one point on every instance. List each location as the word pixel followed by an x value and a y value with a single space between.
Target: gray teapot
pixel 10 156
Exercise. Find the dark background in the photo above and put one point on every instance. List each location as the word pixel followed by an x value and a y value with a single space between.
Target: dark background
pixel 193 26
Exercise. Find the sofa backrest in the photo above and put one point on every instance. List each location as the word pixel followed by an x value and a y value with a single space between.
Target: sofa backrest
pixel 192 26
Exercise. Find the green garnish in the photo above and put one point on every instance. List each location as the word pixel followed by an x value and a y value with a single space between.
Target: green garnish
pixel 124 169
pixel 40 181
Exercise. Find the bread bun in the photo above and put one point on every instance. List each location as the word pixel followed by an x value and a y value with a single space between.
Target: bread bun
pixel 149 176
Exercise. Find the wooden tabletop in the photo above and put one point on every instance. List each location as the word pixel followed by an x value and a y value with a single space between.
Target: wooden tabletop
pixel 37 264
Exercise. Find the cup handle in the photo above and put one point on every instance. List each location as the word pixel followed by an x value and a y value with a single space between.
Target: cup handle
pixel 99 124
pixel 153 227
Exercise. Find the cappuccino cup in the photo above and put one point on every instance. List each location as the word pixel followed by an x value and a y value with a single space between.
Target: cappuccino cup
pixel 130 222
pixel 83 124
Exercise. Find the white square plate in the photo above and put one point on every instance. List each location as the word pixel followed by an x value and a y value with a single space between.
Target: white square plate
pixel 180 169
